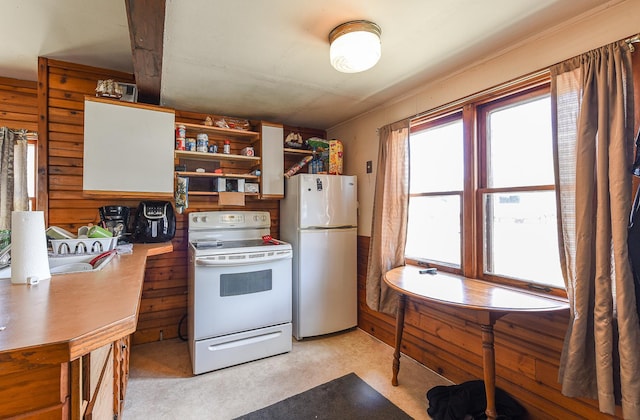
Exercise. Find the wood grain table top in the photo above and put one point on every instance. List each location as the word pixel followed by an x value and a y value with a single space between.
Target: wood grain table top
pixel 78 312
pixel 468 293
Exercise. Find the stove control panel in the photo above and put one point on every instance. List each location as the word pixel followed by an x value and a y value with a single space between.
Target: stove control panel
pixel 229 219
pixel 232 219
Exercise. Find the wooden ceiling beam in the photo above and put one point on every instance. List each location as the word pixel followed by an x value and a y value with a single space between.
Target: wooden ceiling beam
pixel 146 30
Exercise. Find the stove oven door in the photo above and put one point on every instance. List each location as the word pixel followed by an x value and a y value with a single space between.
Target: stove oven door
pixel 231 298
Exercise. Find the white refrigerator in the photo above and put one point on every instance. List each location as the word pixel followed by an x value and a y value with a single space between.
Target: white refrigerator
pixel 318 216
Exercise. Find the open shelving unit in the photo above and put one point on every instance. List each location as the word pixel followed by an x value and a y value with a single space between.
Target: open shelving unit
pixel 213 193
pixel 302 152
pixel 216 175
pixel 217 165
pixel 249 136
pixel 183 154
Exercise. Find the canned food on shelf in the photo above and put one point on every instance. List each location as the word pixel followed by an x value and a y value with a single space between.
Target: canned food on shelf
pixel 181 131
pixel 202 142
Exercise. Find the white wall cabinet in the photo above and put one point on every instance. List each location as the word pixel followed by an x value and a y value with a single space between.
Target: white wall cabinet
pixel 128 148
pixel 272 153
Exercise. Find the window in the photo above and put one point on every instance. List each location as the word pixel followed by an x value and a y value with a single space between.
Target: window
pixel 482 196
pixel 436 183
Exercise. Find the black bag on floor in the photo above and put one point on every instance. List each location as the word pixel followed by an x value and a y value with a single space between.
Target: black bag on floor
pixel 468 401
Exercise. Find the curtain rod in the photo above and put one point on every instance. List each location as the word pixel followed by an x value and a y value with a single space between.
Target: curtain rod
pixel 631 41
pixel 531 76
pixel 489 91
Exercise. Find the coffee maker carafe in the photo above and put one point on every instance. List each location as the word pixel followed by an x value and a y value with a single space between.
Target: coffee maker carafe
pixel 115 219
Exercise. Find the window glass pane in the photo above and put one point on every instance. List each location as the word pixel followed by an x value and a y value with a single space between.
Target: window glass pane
pixel 434 229
pixel 519 145
pixel 437 158
pixel 520 237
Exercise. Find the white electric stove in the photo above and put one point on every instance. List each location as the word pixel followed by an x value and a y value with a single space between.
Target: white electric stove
pixel 240 289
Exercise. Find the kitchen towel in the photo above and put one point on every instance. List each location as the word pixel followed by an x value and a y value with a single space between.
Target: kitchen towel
pixel 29 259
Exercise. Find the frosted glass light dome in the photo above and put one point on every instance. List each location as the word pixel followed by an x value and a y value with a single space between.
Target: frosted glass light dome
pixel 355 46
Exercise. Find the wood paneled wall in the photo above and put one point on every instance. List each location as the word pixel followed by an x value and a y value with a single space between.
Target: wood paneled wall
pixel 164 297
pixel 527 348
pixel 18 104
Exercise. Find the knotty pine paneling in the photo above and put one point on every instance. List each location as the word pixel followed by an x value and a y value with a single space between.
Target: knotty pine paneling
pixel 448 341
pixel 18 104
pixel 164 295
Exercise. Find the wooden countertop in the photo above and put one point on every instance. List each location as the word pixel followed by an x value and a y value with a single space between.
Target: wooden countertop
pixel 76 313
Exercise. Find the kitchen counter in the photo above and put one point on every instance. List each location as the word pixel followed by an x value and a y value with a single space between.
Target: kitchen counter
pixel 77 312
pixel 64 343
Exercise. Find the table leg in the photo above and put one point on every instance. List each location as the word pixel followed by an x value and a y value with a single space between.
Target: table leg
pixel 402 302
pixel 489 368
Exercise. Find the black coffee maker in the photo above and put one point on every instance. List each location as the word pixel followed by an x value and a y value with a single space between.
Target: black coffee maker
pixel 116 220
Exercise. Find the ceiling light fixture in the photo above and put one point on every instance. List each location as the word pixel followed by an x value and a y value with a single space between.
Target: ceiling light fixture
pixel 355 46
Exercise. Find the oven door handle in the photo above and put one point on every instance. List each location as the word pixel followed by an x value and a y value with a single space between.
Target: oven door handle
pixel 204 262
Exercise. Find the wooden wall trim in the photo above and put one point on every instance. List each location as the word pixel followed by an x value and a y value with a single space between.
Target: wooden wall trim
pixel 95 72
pixel 42 180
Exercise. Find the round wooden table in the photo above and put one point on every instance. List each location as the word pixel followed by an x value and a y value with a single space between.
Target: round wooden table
pixel 490 300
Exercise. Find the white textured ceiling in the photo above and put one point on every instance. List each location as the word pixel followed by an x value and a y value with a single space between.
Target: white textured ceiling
pixel 270 59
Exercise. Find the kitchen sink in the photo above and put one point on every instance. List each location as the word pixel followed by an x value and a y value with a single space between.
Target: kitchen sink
pixel 69 264
pixel 76 263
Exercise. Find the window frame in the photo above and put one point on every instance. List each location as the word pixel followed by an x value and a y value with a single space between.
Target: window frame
pixel 473 111
pixel 482 112
pixel 425 124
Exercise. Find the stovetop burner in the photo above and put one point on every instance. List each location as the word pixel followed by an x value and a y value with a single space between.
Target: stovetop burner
pixel 234 232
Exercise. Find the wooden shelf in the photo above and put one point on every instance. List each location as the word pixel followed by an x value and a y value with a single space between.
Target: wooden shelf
pixel 183 154
pixel 297 151
pixel 208 193
pixel 245 135
pixel 215 175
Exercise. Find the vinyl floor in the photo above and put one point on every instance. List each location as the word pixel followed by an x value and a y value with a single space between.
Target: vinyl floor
pixel 162 386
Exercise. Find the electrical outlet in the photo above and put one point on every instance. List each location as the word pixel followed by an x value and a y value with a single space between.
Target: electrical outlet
pixel 369 166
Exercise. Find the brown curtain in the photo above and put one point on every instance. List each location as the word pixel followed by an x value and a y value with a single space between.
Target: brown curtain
pixel 390 209
pixel 13 174
pixel 593 121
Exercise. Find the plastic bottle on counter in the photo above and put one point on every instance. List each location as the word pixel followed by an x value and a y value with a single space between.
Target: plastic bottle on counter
pixel 227 147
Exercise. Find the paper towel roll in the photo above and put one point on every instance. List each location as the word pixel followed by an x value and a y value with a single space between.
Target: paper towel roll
pixel 29 259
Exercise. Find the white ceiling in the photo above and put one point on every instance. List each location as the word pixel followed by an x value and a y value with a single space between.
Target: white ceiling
pixel 270 59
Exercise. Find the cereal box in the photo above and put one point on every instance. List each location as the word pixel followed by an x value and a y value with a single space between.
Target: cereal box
pixel 335 157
